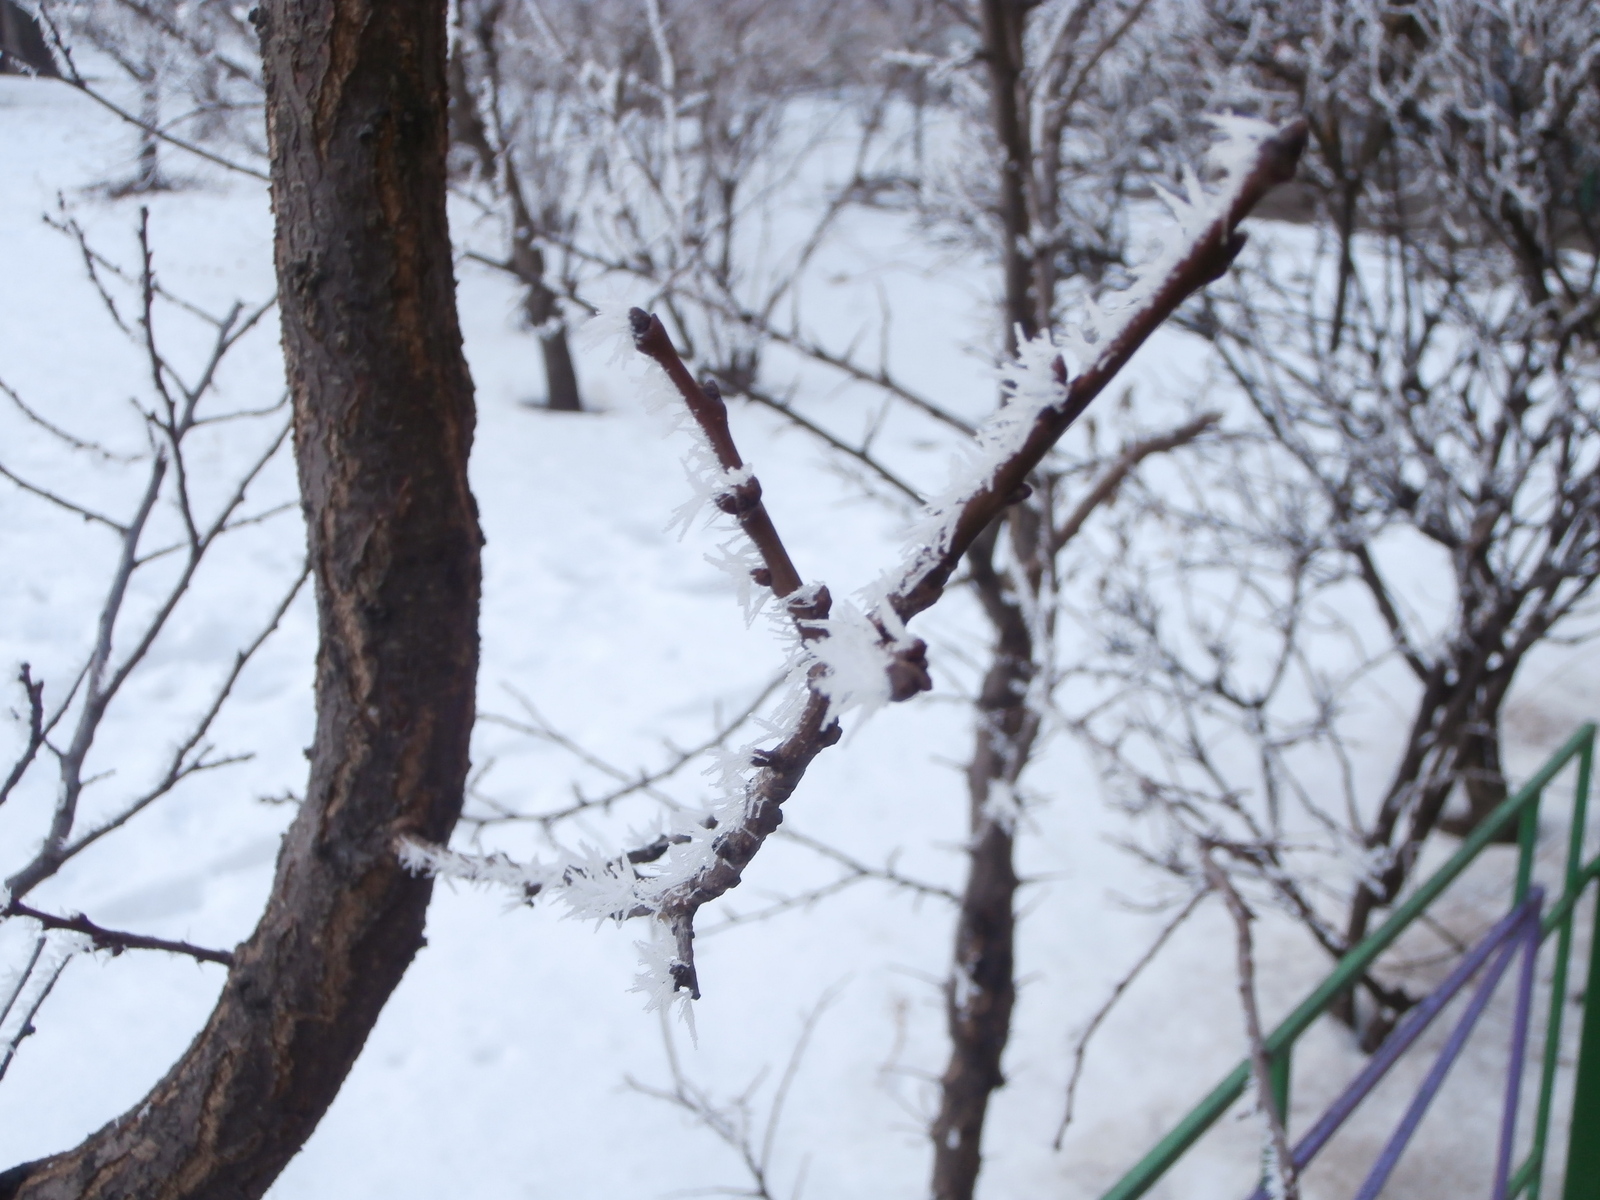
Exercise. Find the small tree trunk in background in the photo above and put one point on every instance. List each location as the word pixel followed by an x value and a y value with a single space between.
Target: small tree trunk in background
pixel 542 307
pixel 982 988
pixel 543 310
pixel 148 176
pixel 1483 781
pixel 383 423
pixel 1004 23
pixel 981 991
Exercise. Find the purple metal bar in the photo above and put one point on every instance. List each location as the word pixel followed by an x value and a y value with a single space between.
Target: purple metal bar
pixel 1447 1057
pixel 1530 937
pixel 1410 1028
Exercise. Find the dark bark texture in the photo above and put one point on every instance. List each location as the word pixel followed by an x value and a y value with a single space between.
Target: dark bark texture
pixel 383 424
pixel 982 988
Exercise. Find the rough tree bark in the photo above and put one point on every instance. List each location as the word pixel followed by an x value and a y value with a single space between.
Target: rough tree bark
pixel 383 424
pixel 982 989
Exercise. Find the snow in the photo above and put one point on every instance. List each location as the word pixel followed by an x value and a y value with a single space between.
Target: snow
pixel 499 1067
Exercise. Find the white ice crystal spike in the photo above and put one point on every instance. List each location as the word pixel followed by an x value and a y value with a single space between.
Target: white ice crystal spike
pixel 658 954
pixel 740 560
pixel 610 331
pixel 857 661
pixel 496 869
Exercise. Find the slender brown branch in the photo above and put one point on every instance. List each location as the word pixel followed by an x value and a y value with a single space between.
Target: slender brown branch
pixel 780 769
pixel 1260 1064
pixel 1208 258
pixel 76 510
pixel 1080 1049
pixel 34 690
pixel 1116 474
pixel 859 870
pixel 114 940
pixel 743 500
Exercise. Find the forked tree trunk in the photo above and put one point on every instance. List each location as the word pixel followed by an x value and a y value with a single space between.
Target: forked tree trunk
pixel 383 424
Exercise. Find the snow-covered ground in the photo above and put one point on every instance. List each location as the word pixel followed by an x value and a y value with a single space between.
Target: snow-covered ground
pixel 506 1065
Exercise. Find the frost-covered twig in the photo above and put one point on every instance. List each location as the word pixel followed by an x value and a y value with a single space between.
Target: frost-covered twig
pixel 848 658
pixel 1049 395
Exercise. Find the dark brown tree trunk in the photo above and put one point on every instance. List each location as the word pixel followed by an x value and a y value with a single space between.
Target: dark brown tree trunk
pixel 1483 781
pixel 982 987
pixel 383 424
pixel 23 49
pixel 1004 23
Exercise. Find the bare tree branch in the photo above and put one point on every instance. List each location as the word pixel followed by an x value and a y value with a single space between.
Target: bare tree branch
pixel 111 939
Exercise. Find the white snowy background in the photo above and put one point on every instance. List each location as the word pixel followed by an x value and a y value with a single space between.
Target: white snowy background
pixel 502 1066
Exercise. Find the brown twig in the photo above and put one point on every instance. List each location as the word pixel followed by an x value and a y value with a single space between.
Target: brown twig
pixel 114 940
pixel 1210 256
pixel 1260 1062
pixel 743 500
pixel 1118 472
pixel 780 769
pixel 35 693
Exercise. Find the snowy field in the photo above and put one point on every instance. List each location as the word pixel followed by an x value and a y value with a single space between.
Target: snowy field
pixel 514 1061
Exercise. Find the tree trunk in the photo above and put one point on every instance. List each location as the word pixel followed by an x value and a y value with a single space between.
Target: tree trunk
pixel 559 375
pixel 1004 24
pixel 148 176
pixel 1483 781
pixel 542 307
pixel 383 424
pixel 982 988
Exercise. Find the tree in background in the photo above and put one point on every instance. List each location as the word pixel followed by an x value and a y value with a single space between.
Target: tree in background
pixel 1420 373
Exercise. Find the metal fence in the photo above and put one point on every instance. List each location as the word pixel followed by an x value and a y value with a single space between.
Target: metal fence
pixel 1527 925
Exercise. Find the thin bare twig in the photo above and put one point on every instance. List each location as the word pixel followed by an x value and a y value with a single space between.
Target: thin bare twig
pixel 1080 1049
pixel 73 78
pixel 643 781
pixel 25 1029
pixel 34 690
pixel 1282 1164
pixel 116 941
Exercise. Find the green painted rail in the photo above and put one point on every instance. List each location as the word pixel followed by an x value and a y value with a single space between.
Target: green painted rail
pixel 1522 810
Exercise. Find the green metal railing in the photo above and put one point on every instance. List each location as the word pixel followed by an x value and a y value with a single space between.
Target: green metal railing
pixel 1521 810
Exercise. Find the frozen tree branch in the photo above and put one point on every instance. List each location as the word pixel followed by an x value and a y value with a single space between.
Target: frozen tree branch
pixel 701 860
pixel 113 940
